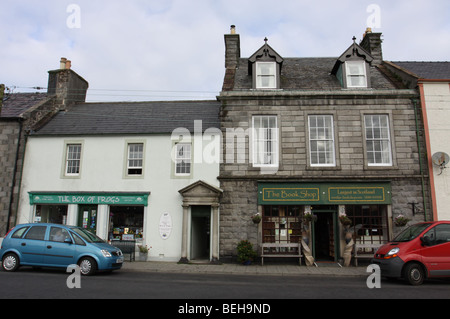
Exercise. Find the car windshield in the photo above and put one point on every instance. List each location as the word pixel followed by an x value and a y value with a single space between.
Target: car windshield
pixel 411 232
pixel 87 235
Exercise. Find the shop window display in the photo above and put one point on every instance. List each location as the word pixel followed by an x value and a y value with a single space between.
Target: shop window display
pixel 56 214
pixel 126 223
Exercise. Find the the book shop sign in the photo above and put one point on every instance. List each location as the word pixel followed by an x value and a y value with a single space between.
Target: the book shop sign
pixel 89 198
pixel 323 193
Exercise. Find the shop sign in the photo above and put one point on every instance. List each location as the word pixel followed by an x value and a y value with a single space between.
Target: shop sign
pixel 323 193
pixel 91 198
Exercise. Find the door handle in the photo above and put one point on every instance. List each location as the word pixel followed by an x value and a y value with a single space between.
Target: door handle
pixel 49 246
pixel 23 244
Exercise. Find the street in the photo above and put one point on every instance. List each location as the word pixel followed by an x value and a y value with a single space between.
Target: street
pixel 52 284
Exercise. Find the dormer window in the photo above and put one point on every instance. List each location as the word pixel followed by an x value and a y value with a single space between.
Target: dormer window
pixel 265 67
pixel 266 76
pixel 355 72
pixel 352 67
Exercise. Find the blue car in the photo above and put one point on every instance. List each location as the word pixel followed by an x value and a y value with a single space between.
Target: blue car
pixel 54 245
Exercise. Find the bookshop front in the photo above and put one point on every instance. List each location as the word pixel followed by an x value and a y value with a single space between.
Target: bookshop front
pixel 313 214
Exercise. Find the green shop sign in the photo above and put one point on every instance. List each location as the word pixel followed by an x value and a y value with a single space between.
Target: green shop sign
pixel 89 198
pixel 323 193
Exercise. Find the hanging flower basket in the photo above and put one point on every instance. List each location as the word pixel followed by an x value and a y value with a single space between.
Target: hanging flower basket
pixel 256 218
pixel 400 221
pixel 345 221
pixel 309 217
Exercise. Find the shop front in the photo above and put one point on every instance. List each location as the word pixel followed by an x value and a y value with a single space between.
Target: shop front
pixel 311 214
pixel 109 215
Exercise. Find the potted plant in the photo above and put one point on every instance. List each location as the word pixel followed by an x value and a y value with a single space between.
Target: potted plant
pixel 309 217
pixel 245 252
pixel 143 252
pixel 400 220
pixel 256 218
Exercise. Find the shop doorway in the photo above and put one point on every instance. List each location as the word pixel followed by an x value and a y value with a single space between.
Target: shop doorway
pixel 87 217
pixel 200 232
pixel 324 234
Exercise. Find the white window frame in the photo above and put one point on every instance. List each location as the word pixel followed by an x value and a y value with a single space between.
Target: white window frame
pixel 378 140
pixel 183 161
pixel 321 133
pixel 135 158
pixel 73 159
pixel 265 141
pixel 271 75
pixel 361 74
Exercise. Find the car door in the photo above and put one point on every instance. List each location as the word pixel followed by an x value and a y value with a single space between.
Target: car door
pixel 59 248
pixel 31 245
pixel 436 251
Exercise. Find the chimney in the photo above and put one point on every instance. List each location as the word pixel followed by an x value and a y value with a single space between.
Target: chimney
pixel 66 84
pixel 232 48
pixel 371 42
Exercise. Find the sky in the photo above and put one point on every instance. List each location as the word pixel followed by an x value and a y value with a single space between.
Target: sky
pixel 143 50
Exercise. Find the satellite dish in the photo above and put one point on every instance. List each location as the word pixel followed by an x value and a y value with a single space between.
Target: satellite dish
pixel 440 159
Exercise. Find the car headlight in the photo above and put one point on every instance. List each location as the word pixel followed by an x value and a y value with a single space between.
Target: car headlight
pixel 392 253
pixel 106 253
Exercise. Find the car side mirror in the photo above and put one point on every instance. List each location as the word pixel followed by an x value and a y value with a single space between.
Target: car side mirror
pixel 68 241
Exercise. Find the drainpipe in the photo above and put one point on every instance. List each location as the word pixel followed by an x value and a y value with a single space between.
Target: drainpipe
pixel 414 101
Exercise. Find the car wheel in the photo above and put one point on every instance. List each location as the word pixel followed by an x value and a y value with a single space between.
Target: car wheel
pixel 88 266
pixel 414 274
pixel 10 262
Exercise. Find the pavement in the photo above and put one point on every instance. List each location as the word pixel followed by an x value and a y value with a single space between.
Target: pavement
pixel 322 269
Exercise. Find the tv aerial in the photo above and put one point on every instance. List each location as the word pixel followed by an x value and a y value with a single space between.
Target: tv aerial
pixel 440 159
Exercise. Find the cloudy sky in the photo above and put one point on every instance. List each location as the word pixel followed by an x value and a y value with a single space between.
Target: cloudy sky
pixel 174 49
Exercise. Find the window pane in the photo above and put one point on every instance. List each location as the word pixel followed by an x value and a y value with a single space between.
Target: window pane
pixel 378 142
pixel 321 140
pixel 135 158
pixel 36 232
pixel 356 74
pixel 73 159
pixel 183 159
pixel 265 140
pixel 266 75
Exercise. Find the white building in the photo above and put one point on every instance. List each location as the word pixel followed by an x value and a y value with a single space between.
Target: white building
pixel 143 171
pixel 433 82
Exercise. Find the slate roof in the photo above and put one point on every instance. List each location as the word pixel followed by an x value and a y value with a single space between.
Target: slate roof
pixel 427 70
pixel 308 74
pixel 17 103
pixel 132 118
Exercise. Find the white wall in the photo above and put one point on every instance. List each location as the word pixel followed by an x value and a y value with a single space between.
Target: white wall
pixel 102 170
pixel 437 101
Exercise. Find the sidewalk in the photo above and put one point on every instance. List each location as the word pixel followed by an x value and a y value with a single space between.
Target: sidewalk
pixel 237 269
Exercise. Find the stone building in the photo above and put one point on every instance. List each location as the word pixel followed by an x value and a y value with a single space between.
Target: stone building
pixel 322 136
pixel 20 114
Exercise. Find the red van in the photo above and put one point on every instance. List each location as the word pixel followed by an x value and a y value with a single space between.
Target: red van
pixel 421 251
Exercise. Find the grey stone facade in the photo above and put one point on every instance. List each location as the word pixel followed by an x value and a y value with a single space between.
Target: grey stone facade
pixel 308 88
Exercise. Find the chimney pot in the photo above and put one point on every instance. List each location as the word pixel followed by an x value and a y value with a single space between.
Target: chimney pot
pixel 62 63
pixel 233 29
pixel 68 64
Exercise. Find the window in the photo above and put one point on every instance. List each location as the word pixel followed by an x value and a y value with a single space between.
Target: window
pixel 321 140
pixel 266 75
pixel 58 234
pixel 265 141
pixel 378 143
pixel 437 235
pixel 135 158
pixel 369 223
pixel 356 74
pixel 36 232
pixel 73 159
pixel 282 224
pixel 183 159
